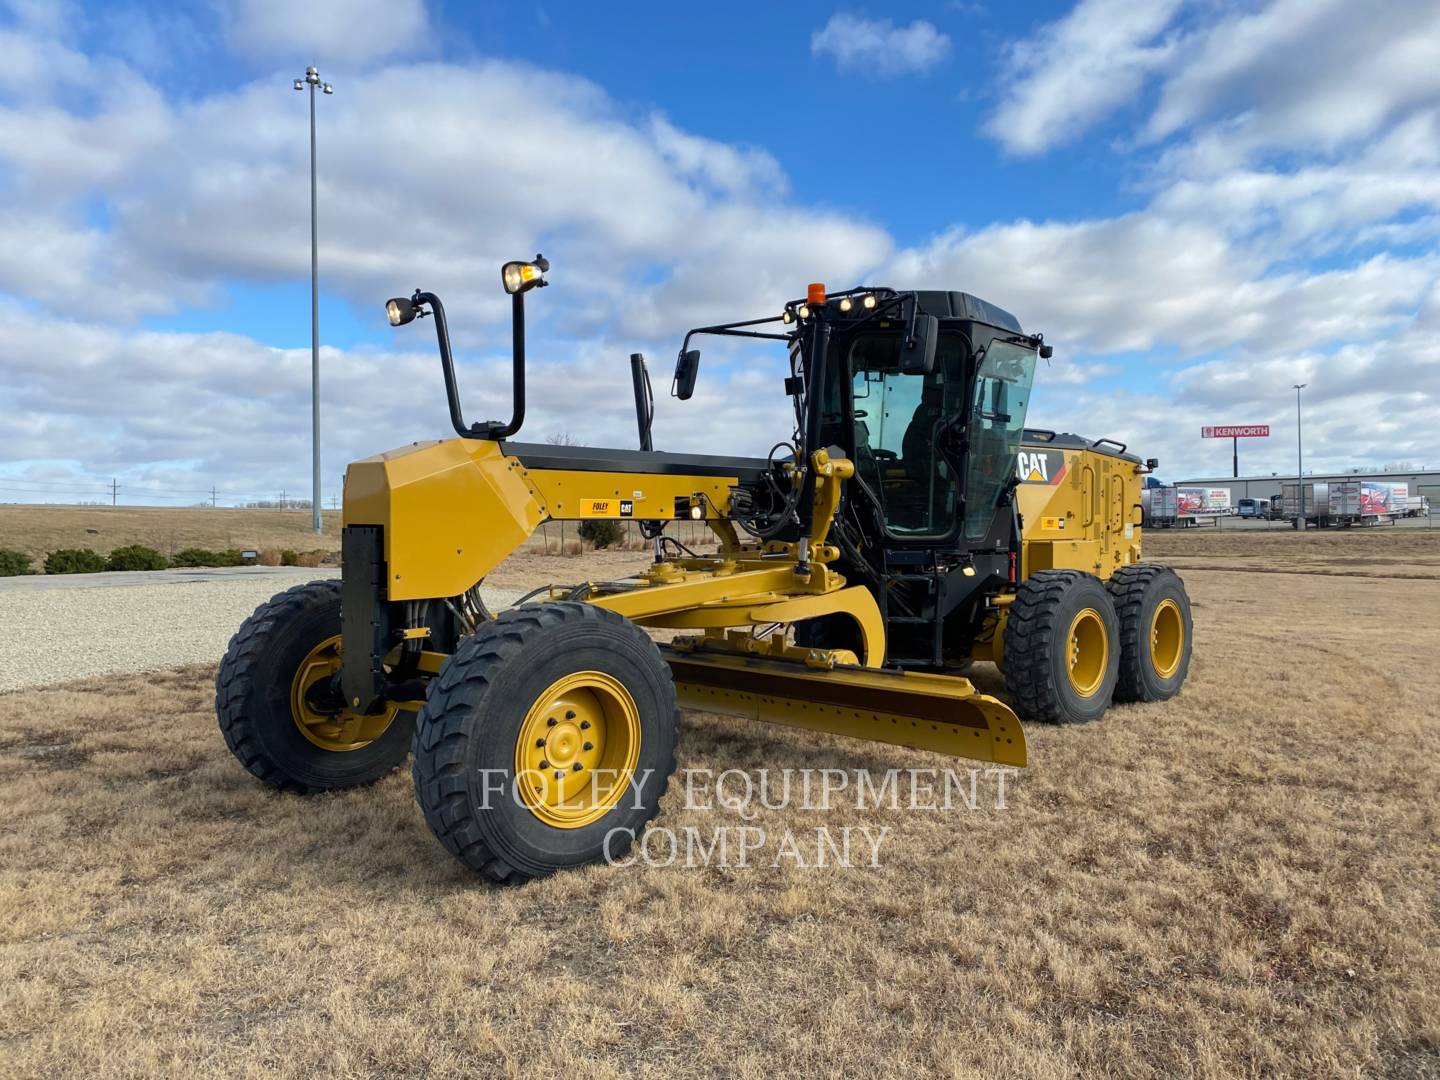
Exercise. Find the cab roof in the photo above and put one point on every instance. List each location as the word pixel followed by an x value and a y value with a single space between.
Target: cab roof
pixel 962 305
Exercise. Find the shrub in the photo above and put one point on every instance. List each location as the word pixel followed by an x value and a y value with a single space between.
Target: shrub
pixel 269 557
pixel 204 557
pixel 13 563
pixel 136 557
pixel 74 561
pixel 601 533
pixel 312 558
pixel 289 558
pixel 194 557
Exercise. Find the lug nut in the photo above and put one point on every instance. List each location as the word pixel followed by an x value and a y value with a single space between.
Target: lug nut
pixel 584 725
pixel 569 714
pixel 551 722
pixel 577 767
pixel 589 746
pixel 539 742
pixel 559 774
pixel 544 764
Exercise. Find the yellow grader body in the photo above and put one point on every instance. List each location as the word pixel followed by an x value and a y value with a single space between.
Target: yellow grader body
pixel 431 551
pixel 912 528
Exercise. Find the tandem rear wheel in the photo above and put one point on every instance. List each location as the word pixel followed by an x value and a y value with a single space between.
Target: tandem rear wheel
pixel 547 741
pixel 1062 647
pixel 1155 631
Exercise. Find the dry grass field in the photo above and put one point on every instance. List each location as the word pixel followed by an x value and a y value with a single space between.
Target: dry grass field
pixel 36 530
pixel 1244 881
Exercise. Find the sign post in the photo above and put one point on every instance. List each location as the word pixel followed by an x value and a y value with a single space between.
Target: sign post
pixel 1236 432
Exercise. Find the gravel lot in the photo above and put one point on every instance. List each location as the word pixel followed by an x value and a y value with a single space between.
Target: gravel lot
pixel 66 627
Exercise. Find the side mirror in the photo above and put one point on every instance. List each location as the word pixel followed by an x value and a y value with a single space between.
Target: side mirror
pixel 686 368
pixel 917 357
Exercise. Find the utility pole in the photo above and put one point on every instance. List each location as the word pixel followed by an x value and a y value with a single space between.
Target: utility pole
pixel 312 80
pixel 213 502
pixel 1299 458
pixel 1235 464
pixel 114 490
pixel 284 504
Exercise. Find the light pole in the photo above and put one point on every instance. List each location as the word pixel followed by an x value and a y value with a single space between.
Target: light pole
pixel 1299 458
pixel 312 80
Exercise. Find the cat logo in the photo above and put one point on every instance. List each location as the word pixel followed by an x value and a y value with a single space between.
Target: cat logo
pixel 627 508
pixel 1039 466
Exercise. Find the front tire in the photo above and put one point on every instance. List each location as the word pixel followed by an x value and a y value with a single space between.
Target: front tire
pixel 1062 647
pixel 547 741
pixel 273 709
pixel 1155 631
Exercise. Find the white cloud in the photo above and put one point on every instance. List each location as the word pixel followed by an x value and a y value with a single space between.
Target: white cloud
pixel 350 32
pixel 1078 69
pixel 650 228
pixel 1306 73
pixel 1141 282
pixel 879 49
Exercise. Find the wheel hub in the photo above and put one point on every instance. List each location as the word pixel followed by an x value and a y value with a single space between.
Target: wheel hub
pixel 321 715
pixel 1089 652
pixel 1167 638
pixel 577 748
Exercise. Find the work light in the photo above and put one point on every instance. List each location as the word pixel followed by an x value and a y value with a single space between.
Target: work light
pixel 868 300
pixel 519 277
pixel 399 311
pixel 846 304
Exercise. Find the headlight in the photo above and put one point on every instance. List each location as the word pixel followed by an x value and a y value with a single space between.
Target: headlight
pixel 803 311
pixel 868 300
pixel 399 311
pixel 846 303
pixel 517 277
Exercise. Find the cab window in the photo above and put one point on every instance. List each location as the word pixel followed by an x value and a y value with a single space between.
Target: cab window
pixel 898 421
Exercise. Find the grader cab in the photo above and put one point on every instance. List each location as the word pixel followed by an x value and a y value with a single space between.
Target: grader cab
pixel 910 527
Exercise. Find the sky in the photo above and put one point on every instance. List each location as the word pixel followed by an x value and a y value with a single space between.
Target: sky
pixel 1199 203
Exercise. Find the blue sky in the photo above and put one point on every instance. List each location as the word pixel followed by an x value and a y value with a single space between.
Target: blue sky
pixel 1200 202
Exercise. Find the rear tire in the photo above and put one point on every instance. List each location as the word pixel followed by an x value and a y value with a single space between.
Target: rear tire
pixel 1155 631
pixel 520 691
pixel 1062 647
pixel 256 691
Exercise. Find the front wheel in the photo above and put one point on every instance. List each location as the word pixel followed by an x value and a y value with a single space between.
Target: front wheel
pixel 547 741
pixel 278 708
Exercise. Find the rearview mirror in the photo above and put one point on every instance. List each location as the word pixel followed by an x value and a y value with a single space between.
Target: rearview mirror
pixel 686 368
pixel 917 356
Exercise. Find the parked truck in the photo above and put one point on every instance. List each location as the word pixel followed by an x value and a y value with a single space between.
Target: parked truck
pixel 1186 505
pixel 1344 503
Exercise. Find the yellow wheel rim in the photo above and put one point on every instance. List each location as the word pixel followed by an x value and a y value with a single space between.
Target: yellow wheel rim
pixel 342 731
pixel 577 749
pixel 1167 638
pixel 1089 651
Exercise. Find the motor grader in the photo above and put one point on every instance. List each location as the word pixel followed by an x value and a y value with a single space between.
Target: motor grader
pixel 910 527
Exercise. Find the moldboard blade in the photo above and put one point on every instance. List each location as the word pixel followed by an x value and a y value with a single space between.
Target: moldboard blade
pixel 943 713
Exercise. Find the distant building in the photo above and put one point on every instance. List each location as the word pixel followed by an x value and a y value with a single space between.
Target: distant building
pixel 1422 482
